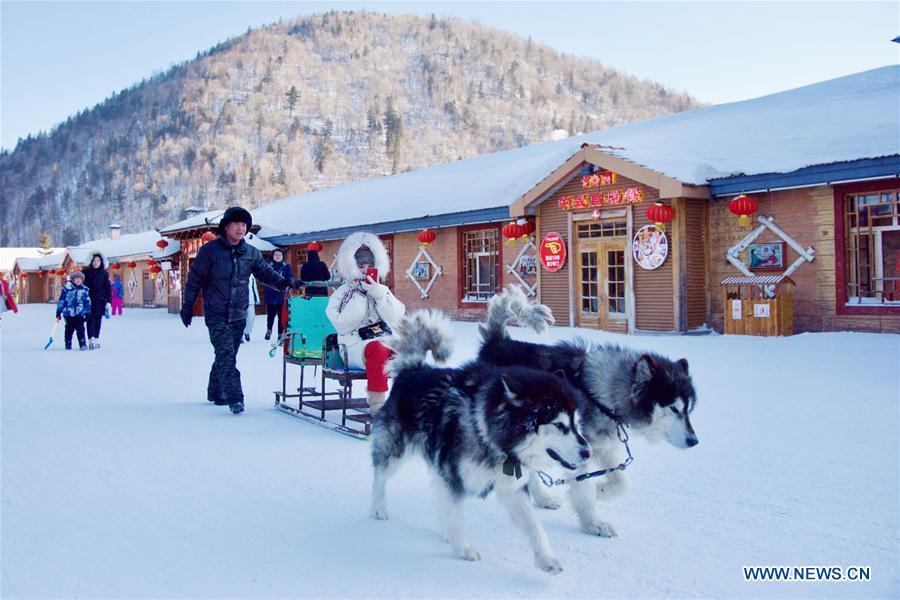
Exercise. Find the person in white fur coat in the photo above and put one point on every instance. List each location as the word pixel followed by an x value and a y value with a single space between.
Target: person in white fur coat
pixel 362 302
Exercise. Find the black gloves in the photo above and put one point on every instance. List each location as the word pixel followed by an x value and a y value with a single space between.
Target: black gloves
pixel 58 315
pixel 186 315
pixel 296 284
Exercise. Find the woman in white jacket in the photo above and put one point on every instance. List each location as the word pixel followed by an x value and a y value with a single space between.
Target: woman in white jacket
pixel 360 306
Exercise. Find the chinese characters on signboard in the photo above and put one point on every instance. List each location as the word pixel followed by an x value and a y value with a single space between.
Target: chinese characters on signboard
pixel 552 252
pixel 632 195
pixel 598 179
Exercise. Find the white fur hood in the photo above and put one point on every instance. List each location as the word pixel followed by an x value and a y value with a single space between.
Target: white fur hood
pixel 346 263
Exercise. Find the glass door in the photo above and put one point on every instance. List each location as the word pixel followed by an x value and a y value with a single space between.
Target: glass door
pixel 601 284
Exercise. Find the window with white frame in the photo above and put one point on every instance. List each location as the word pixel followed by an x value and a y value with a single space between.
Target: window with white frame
pixel 872 223
pixel 481 257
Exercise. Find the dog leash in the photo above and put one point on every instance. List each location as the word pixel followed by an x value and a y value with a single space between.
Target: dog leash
pixel 622 434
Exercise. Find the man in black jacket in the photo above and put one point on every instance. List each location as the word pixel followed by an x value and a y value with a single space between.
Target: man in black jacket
pixel 222 270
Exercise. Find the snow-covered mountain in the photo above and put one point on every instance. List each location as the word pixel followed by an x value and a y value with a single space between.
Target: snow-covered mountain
pixel 304 104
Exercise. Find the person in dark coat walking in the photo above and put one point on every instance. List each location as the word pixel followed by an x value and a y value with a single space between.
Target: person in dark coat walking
pixel 222 272
pixel 274 298
pixel 315 270
pixel 96 279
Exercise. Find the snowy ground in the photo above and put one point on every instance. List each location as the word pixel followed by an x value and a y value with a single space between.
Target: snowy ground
pixel 119 480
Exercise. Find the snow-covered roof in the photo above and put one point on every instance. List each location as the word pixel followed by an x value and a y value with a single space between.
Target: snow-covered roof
pixel 127 245
pixel 32 263
pixel 212 218
pixel 8 256
pixel 845 119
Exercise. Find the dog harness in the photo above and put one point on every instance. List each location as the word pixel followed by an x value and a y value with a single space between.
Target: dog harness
pixel 622 434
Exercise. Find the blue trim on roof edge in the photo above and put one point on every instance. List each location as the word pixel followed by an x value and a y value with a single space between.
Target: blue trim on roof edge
pixel 484 215
pixel 886 166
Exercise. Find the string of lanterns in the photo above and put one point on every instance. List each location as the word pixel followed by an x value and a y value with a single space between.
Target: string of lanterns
pixel 522 228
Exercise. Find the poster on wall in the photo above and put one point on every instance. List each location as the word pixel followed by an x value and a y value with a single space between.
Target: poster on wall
pixel 766 256
pixel 736 310
pixel 552 252
pixel 650 247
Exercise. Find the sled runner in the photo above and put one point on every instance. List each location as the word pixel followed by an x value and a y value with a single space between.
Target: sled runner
pixel 311 341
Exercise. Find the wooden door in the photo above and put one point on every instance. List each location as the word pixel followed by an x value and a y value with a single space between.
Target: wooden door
pixel 601 285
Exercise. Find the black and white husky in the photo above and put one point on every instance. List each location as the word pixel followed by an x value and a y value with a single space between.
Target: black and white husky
pixel 649 393
pixel 477 427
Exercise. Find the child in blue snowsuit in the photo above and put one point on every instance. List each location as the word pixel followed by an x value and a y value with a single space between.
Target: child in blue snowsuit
pixel 75 305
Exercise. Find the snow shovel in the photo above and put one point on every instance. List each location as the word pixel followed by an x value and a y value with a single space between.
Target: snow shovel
pixel 52 333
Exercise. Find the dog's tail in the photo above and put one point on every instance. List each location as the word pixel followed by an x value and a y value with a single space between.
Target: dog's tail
pixel 512 303
pixel 415 335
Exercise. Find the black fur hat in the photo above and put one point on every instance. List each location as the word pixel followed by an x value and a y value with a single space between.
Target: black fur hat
pixel 235 214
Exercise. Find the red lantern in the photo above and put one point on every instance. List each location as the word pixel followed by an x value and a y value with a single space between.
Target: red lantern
pixel 660 214
pixel 207 237
pixel 61 272
pixel 23 276
pixel 528 227
pixel 161 244
pixel 511 231
pixel 115 266
pixel 314 247
pixel 743 206
pixel 40 273
pixel 425 237
pixel 132 265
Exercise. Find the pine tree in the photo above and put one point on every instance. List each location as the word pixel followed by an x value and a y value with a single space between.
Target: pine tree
pixel 393 126
pixel 45 245
pixel 292 97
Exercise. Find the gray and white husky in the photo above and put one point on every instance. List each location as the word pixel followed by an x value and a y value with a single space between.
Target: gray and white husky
pixel 479 427
pixel 649 393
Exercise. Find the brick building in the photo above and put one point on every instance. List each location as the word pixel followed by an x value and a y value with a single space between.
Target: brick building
pixel 821 164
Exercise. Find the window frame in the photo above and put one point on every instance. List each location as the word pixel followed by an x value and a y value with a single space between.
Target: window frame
pixel 462 301
pixel 840 247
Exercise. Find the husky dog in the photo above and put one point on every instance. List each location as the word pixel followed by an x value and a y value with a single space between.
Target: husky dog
pixel 645 391
pixel 477 427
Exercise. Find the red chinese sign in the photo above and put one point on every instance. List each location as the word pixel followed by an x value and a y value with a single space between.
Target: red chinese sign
pixel 552 252
pixel 598 179
pixel 632 195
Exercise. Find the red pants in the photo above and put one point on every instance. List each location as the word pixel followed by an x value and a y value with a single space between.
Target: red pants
pixel 116 306
pixel 376 356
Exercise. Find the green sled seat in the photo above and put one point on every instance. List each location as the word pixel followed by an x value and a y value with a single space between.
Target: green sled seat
pixel 311 341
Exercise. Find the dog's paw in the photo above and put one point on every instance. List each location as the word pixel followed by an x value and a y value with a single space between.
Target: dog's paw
pixel 468 553
pixel 548 564
pixel 379 513
pixel 599 528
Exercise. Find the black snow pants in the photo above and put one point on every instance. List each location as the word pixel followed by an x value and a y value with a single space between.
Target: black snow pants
pixel 273 311
pixel 74 325
pixel 224 377
pixel 94 320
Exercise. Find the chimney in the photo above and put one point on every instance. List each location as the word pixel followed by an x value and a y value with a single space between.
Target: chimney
pixel 114 230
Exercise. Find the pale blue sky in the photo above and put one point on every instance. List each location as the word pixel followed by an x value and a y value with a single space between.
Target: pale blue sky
pixel 59 57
